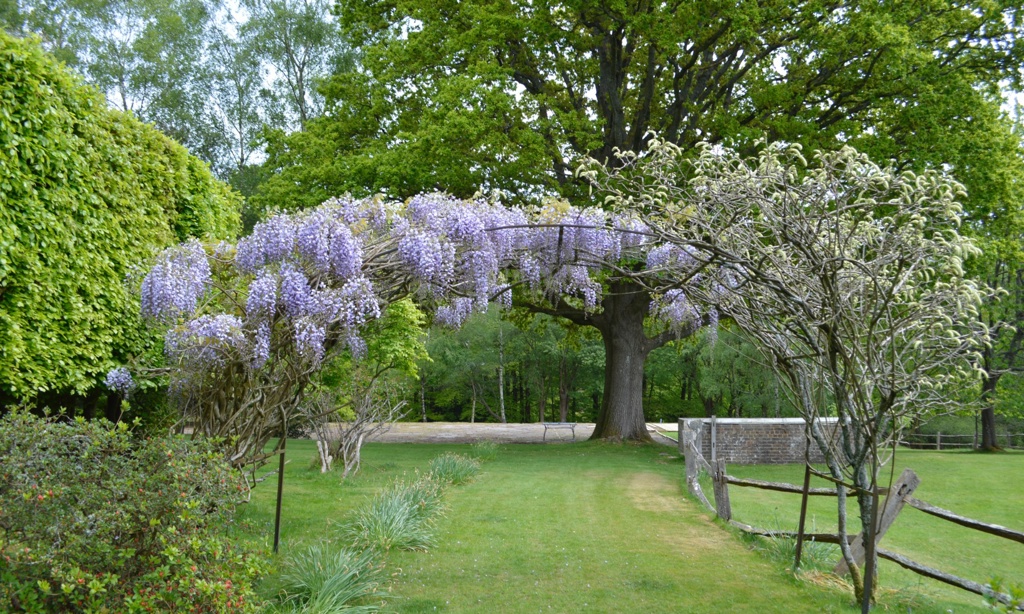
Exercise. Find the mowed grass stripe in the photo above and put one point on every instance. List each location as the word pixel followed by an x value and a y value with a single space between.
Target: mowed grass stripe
pixel 588 527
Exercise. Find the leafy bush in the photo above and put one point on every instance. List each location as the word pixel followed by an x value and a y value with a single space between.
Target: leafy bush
pixel 451 468
pixel 93 519
pixel 484 450
pixel 328 579
pixel 86 193
pixel 399 516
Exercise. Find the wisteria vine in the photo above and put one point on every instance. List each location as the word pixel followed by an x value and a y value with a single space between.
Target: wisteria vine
pixel 248 324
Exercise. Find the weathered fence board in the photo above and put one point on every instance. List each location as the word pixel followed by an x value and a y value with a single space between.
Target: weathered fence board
pixel 903 487
pixel 941 576
pixel 780 486
pixel 993 529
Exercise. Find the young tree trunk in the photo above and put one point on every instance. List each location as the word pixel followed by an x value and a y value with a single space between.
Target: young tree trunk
pixel 501 374
pixel 542 400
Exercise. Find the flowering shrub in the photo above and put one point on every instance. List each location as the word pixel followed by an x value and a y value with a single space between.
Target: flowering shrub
pixel 92 519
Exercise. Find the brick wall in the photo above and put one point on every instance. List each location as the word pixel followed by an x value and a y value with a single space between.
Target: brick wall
pixel 752 441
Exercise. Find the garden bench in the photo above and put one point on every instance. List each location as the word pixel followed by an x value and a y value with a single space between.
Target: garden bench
pixel 559 425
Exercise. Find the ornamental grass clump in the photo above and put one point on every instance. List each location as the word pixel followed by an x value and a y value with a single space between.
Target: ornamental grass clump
pixel 400 516
pixel 484 451
pixel 454 469
pixel 325 578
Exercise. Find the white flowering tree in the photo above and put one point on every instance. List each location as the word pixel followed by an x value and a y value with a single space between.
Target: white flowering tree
pixel 848 275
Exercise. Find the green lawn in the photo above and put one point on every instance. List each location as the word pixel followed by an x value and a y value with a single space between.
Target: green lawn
pixel 981 486
pixel 588 527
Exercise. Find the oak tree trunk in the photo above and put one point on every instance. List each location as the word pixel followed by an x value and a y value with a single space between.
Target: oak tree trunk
pixel 625 350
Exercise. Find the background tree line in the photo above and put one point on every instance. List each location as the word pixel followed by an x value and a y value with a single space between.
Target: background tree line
pixel 220 79
pixel 531 368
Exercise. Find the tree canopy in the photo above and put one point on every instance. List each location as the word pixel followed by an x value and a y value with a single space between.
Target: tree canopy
pixel 86 194
pixel 510 95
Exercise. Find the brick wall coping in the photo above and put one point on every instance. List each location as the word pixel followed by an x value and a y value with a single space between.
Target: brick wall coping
pixel 755 420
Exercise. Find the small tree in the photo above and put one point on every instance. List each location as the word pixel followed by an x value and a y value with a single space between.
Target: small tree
pixel 352 400
pixel 848 275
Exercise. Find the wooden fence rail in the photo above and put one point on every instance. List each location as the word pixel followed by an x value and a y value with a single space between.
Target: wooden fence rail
pixel 947 441
pixel 895 499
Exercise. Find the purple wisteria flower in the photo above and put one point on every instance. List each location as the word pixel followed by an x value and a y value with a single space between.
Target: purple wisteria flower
pixel 262 299
pixel 429 258
pixel 206 342
pixel 174 285
pixel 455 314
pixel 120 381
pixel 271 241
pixel 295 290
pixel 675 308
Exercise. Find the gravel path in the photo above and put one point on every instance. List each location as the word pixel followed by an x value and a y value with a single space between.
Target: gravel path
pixel 464 432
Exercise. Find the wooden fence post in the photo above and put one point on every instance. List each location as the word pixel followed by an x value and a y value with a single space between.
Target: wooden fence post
pixel 938 441
pixel 687 438
pixel 722 507
pixel 903 487
pixel 714 442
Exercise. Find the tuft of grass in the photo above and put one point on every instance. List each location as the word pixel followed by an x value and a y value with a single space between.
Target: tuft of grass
pixel 817 556
pixel 327 579
pixel 400 516
pixel 455 469
pixel 484 451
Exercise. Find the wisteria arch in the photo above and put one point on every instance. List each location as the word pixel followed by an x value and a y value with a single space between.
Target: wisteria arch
pixel 248 325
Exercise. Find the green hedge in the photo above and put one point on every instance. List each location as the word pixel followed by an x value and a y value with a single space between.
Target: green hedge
pixel 86 193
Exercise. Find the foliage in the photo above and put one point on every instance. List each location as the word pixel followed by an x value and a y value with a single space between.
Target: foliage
pixel 511 95
pixel 94 520
pixel 400 516
pixel 87 194
pixel 326 578
pixel 1014 592
pixel 299 40
pixel 454 469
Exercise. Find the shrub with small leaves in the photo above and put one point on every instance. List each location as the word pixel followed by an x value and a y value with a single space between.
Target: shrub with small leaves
pixel 451 468
pixel 93 519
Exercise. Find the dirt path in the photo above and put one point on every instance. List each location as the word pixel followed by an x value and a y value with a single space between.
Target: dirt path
pixel 464 432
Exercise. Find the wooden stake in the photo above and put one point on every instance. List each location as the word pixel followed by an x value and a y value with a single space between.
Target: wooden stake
pixel 803 515
pixel 722 507
pixel 280 491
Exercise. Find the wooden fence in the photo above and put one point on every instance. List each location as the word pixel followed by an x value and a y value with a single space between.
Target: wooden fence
pixel 896 497
pixel 947 441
